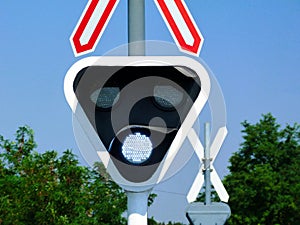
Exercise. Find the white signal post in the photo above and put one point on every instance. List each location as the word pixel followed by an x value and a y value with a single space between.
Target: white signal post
pixel 188 38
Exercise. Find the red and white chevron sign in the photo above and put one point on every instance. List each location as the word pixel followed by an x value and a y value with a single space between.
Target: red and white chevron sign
pixel 91 25
pixel 97 13
pixel 181 25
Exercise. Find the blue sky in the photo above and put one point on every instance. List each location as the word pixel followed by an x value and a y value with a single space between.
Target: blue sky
pixel 253 48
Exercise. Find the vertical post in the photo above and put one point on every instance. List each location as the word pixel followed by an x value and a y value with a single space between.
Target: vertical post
pixel 137 202
pixel 136 27
pixel 207 164
pixel 137 207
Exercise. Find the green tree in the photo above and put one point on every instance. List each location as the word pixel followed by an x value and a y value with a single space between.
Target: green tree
pixel 264 179
pixel 151 221
pixel 38 189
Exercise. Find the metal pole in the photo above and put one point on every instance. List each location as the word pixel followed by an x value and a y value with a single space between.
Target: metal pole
pixel 137 207
pixel 207 164
pixel 136 27
pixel 137 202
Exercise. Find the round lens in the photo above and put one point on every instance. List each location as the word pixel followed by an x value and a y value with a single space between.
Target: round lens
pixel 105 97
pixel 137 148
pixel 167 97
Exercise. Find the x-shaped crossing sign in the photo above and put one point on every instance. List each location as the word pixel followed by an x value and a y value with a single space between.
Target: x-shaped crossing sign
pixel 215 179
pixel 97 14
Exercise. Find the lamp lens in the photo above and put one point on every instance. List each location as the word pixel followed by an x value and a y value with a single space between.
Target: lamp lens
pixel 137 148
pixel 167 97
pixel 105 97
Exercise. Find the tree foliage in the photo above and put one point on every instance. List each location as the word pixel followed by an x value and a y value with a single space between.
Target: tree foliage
pixel 47 189
pixel 264 183
pixel 151 221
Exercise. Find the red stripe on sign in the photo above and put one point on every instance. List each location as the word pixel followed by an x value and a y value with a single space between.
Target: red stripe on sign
pixel 100 25
pixel 176 31
pixel 191 26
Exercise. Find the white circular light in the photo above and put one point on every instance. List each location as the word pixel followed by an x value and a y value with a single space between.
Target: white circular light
pixel 137 148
